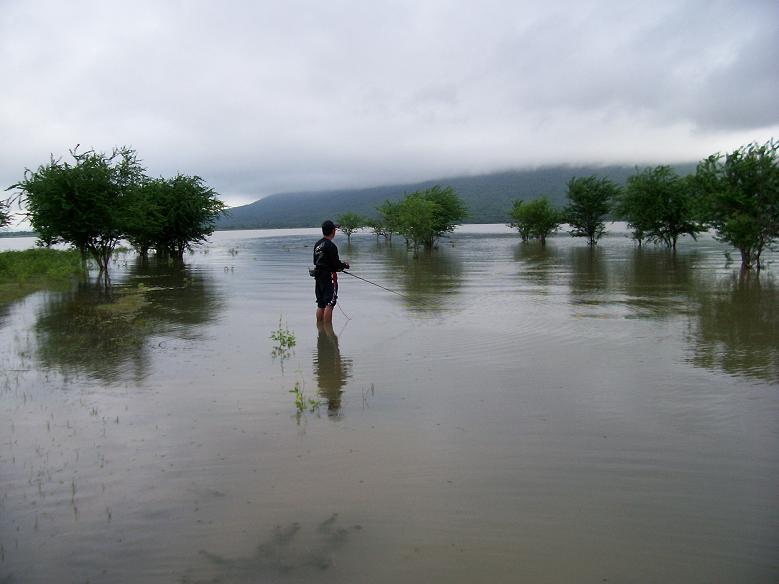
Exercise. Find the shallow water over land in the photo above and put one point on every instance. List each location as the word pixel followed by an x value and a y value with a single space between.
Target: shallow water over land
pixel 512 414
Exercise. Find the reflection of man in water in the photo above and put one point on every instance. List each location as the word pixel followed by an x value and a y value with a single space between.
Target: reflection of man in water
pixel 331 370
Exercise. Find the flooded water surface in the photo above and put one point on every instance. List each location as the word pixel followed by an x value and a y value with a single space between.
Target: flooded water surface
pixel 509 414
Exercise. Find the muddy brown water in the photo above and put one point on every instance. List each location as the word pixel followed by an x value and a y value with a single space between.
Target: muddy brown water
pixel 519 415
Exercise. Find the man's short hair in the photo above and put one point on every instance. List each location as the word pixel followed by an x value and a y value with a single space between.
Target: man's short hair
pixel 328 227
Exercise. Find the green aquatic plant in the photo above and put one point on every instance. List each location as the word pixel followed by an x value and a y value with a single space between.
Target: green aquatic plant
pixel 283 336
pixel 284 339
pixel 302 402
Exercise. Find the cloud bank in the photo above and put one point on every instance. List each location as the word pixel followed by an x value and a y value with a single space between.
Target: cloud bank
pixel 263 97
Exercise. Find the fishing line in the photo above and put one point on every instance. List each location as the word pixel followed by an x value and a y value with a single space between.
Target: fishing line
pixel 377 285
pixel 343 328
pixel 342 312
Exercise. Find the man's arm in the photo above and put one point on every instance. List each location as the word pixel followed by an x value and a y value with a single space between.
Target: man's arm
pixel 335 261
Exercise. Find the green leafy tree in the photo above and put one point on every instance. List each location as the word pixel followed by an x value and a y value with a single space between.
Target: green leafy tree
pixel 417 220
pixel 589 203
pixel 659 206
pixel 519 219
pixel 449 211
pixel 144 219
pixel 189 209
pixel 739 197
pixel 389 216
pixel 537 219
pixel 349 223
pixel 424 216
pixel 82 202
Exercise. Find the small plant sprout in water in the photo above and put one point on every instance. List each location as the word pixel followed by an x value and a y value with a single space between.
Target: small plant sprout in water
pixel 285 341
pixel 303 402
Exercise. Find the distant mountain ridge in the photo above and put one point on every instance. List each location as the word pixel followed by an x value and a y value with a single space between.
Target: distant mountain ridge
pixel 488 196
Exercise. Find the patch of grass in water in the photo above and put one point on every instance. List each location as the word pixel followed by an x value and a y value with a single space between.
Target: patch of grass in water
pixel 29 270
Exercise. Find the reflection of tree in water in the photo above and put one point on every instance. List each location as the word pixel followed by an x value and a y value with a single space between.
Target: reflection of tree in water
pixel 289 553
pixel 540 263
pixel 589 274
pixel 427 280
pixel 736 328
pixel 332 371
pixel 657 282
pixel 180 297
pixel 5 310
pixel 104 334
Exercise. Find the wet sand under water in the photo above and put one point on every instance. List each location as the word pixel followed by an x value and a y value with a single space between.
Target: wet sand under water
pixel 520 414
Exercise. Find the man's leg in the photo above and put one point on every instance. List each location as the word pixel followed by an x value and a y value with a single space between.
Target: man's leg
pixel 333 298
pixel 320 300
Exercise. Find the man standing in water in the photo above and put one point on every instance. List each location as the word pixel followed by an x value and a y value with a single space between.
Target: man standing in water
pixel 326 265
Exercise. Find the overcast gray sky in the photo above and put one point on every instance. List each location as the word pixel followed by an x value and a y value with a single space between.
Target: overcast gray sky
pixel 264 97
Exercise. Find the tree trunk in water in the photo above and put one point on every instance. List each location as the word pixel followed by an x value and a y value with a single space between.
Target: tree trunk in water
pixel 746 258
pixel 102 264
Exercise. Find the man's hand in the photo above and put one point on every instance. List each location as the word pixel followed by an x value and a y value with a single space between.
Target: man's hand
pixel 347 265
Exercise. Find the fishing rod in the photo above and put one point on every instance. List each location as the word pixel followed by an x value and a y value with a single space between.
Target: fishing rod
pixel 378 285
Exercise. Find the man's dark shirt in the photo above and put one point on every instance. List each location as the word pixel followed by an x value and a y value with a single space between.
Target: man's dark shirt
pixel 326 258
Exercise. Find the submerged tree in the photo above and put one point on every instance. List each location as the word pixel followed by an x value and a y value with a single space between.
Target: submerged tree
pixel 739 197
pixel 143 218
pixel 83 202
pixel 449 211
pixel 424 216
pixel 518 219
pixel 189 210
pixel 416 220
pixel 169 215
pixel 349 223
pixel 658 206
pixel 537 219
pixel 389 218
pixel 589 202
pixel 378 227
pixel 99 199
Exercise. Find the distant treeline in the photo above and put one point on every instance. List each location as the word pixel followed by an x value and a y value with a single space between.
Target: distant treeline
pixel 736 194
pixel 4 216
pixel 99 199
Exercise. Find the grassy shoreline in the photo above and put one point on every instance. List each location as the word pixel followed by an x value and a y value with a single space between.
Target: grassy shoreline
pixel 23 272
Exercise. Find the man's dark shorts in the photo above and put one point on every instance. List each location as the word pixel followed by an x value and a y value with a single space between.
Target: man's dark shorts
pixel 326 290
